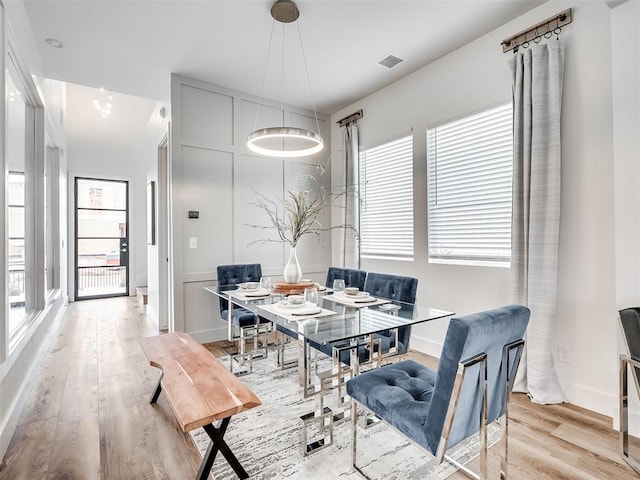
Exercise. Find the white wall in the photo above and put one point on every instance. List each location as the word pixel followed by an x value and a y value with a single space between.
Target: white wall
pixel 626 147
pixel 121 146
pixel 214 173
pixel 474 78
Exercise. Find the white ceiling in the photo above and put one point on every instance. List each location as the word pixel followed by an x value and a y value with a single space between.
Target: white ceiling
pixel 131 46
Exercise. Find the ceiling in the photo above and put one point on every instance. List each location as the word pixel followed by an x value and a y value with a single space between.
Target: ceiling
pixel 131 46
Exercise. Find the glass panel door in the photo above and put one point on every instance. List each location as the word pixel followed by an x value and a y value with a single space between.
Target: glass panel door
pixel 102 238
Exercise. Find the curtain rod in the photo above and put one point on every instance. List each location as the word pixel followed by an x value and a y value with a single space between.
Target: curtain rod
pixel 550 25
pixel 350 118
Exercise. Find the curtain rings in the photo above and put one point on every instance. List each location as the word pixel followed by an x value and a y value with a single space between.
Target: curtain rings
pixel 558 29
pixel 537 38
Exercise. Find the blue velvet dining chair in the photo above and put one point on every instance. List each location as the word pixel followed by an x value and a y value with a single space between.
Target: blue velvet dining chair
pixel 380 285
pixel 246 325
pixel 380 346
pixel 630 321
pixel 393 287
pixel 437 409
pixel 351 276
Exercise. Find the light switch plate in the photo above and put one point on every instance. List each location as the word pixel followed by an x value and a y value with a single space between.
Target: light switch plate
pixel 193 242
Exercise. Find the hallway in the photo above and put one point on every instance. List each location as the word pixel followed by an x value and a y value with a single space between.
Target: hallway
pixel 88 415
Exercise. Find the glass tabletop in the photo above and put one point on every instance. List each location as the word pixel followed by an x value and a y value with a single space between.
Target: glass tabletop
pixel 338 321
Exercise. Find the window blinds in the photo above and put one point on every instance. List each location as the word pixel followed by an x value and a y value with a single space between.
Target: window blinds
pixel 469 168
pixel 386 195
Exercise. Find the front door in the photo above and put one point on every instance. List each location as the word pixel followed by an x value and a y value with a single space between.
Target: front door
pixel 101 238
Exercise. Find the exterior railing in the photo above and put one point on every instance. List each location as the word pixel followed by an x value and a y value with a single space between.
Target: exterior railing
pixel 92 278
pixel 16 282
pixel 89 278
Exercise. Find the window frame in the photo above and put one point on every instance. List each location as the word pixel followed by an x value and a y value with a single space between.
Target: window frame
pixel 500 108
pixel 34 202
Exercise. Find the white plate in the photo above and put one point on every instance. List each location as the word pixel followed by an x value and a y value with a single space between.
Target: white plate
pixel 249 285
pixel 357 295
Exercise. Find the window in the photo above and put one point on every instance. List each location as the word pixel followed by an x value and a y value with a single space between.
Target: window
pixel 20 258
pixel 25 256
pixel 386 195
pixel 469 168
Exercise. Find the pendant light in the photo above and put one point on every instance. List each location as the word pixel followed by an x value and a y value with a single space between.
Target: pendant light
pixel 286 142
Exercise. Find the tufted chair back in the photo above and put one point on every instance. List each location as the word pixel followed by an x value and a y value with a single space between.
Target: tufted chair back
pixel 234 274
pixel 351 277
pixel 394 287
pixel 630 320
pixel 467 336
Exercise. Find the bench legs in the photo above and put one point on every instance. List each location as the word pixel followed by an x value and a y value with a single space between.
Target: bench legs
pixel 218 444
pixel 156 392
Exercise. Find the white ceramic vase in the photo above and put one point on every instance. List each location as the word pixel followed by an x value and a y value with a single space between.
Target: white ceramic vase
pixel 292 270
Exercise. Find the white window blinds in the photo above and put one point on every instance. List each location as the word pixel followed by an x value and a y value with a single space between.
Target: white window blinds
pixel 386 195
pixel 469 168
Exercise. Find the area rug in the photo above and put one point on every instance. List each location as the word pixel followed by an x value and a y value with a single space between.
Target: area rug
pixel 266 440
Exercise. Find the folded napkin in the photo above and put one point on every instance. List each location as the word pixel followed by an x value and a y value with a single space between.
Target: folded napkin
pixel 298 313
pixel 365 300
pixel 357 302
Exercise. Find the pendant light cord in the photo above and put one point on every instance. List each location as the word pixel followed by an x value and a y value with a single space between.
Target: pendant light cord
pixel 306 68
pixel 264 75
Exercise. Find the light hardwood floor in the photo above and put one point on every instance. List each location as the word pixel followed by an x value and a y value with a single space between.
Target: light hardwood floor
pixel 88 416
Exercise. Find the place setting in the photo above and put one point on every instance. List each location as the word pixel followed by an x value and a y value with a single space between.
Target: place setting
pixel 250 290
pixel 353 296
pixel 299 307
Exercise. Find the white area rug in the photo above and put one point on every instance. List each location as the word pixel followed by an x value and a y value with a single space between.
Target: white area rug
pixel 266 440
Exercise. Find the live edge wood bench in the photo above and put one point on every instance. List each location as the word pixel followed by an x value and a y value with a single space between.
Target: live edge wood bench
pixel 201 392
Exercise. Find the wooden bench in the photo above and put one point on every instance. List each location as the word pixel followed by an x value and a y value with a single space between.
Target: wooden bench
pixel 201 392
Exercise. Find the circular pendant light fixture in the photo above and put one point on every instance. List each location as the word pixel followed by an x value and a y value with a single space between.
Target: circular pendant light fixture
pixel 286 142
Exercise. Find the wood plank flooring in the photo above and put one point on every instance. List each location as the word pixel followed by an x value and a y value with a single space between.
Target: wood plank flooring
pixel 88 415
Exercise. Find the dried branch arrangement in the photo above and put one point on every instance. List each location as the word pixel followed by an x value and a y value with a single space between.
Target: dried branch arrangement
pixel 299 212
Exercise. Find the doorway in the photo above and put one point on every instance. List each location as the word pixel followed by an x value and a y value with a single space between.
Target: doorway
pixel 101 238
pixel 165 304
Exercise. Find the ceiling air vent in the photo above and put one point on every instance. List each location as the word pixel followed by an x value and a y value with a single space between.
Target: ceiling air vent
pixel 390 61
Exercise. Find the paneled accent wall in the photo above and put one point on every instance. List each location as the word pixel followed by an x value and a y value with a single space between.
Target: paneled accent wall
pixel 214 173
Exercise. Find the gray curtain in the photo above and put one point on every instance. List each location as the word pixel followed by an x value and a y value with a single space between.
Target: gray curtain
pixel 350 215
pixel 537 98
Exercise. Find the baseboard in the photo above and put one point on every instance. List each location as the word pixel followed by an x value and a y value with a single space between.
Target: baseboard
pixel 586 397
pixel 634 416
pixel 425 345
pixel 210 335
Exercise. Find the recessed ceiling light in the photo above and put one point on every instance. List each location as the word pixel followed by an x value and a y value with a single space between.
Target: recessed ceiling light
pixel 54 43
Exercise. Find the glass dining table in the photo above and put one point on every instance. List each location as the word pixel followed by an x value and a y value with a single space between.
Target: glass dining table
pixel 338 319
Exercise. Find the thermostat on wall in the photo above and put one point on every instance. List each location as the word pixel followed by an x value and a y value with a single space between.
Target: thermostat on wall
pixel 194 214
